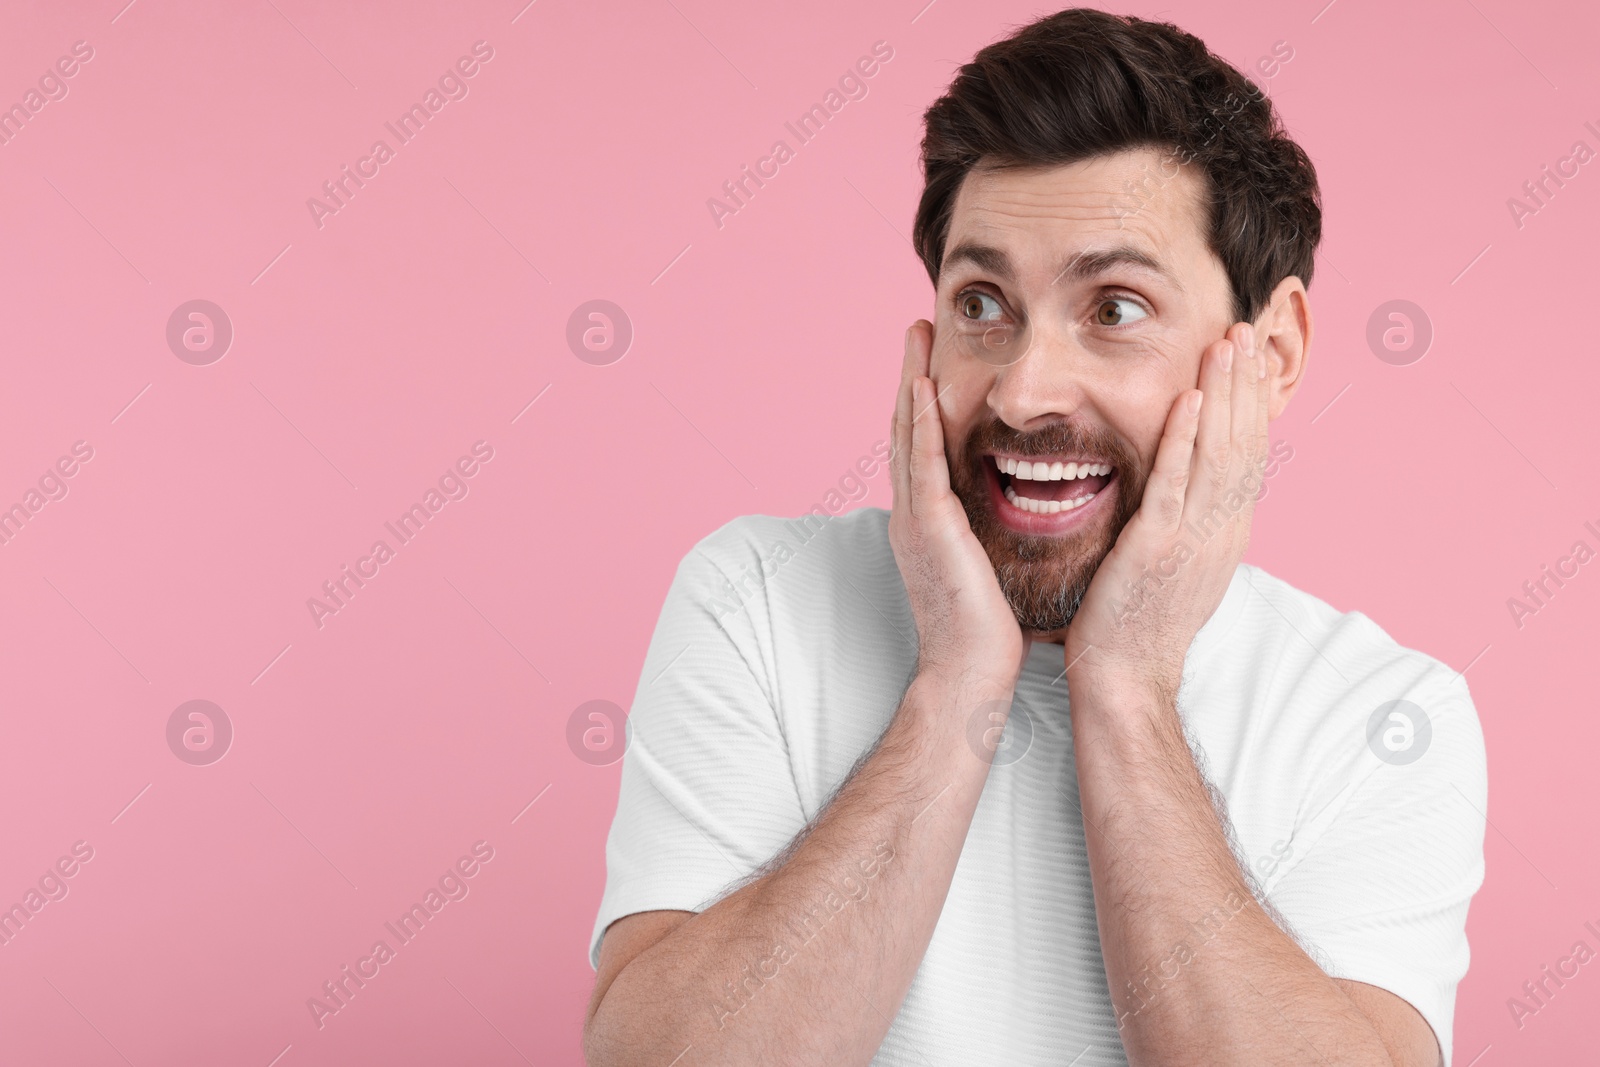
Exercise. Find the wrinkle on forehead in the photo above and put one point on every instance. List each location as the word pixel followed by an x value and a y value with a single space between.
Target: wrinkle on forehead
pixel 1132 197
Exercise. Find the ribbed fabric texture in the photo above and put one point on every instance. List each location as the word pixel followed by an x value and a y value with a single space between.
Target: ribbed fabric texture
pixel 780 656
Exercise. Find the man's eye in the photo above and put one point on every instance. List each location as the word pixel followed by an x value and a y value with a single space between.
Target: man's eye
pixel 1117 311
pixel 973 306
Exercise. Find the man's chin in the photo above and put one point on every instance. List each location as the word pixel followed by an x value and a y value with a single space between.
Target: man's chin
pixel 1044 579
pixel 1043 605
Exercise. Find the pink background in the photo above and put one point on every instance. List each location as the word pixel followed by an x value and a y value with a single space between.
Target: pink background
pixel 372 752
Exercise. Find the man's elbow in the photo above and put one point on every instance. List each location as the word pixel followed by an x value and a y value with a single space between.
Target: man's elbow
pixel 622 1029
pixel 603 1044
pixel 598 1049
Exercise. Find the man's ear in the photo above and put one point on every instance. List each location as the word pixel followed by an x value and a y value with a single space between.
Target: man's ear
pixel 1284 327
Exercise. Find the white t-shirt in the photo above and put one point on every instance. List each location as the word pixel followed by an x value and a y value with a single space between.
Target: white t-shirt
pixel 782 652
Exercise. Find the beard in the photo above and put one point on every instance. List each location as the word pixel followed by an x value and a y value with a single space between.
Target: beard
pixel 1044 579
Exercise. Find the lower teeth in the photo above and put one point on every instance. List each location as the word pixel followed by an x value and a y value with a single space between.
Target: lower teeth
pixel 1045 507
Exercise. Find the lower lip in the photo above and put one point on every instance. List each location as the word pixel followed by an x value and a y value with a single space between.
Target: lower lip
pixel 1039 525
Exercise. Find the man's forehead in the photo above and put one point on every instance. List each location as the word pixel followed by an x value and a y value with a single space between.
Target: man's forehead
pixel 1142 199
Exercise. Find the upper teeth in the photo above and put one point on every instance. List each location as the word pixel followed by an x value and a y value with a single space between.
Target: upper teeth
pixel 1050 472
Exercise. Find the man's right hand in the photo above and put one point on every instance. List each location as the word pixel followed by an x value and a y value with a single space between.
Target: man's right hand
pixel 669 981
pixel 966 629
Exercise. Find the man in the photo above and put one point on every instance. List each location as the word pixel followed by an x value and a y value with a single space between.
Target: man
pixel 1033 769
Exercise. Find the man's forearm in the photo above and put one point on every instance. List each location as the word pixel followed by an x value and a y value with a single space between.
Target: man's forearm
pixel 1199 972
pixel 809 962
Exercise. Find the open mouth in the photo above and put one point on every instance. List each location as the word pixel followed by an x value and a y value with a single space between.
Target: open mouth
pixel 1045 493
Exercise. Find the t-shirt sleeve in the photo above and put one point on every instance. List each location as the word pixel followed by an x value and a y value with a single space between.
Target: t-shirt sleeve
pixel 1381 895
pixel 707 794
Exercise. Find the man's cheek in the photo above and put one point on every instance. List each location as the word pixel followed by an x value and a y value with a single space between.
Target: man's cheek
pixel 957 383
pixel 961 407
pixel 1145 439
pixel 939 362
pixel 1139 406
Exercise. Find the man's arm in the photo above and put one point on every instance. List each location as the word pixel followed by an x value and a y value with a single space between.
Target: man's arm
pixel 1199 972
pixel 809 962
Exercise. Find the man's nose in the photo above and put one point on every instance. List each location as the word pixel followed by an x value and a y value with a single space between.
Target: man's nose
pixel 1046 384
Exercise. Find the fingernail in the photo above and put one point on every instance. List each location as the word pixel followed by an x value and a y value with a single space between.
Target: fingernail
pixel 1194 403
pixel 1227 356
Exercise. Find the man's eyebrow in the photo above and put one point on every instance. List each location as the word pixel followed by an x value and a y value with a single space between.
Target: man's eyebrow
pixel 986 258
pixel 1096 261
pixel 1090 263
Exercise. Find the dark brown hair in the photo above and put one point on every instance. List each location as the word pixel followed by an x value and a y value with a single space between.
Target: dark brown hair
pixel 1083 83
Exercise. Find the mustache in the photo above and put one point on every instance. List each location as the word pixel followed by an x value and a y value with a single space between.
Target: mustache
pixel 1060 438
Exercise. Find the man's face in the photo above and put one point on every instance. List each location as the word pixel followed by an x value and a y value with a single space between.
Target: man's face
pixel 1073 306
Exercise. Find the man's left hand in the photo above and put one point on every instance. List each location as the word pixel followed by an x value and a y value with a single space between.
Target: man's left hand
pixel 1173 561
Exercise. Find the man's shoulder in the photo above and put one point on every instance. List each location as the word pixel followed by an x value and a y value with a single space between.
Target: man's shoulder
pixel 1350 644
pixel 860 535
pixel 1343 724
pixel 786 565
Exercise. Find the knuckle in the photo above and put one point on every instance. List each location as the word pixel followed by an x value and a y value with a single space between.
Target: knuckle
pixel 1217 472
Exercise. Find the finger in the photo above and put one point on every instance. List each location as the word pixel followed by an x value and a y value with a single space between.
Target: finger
pixel 1168 486
pixel 923 349
pixel 1247 389
pixel 930 473
pixel 900 430
pixel 1214 442
pixel 1249 417
pixel 1263 405
pixel 1260 443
